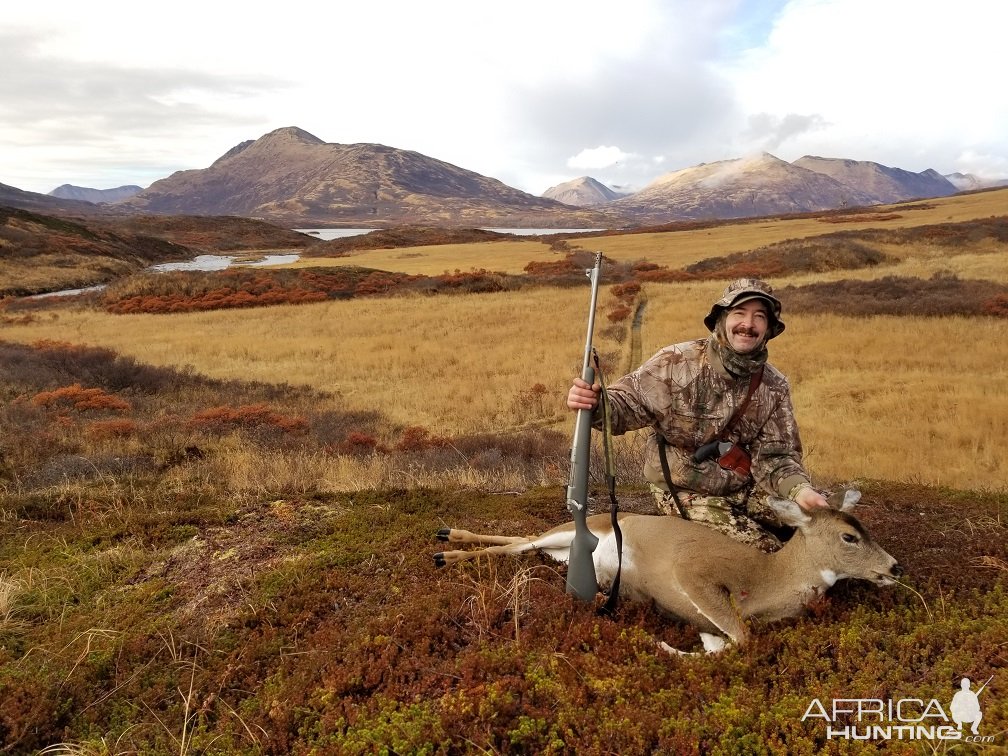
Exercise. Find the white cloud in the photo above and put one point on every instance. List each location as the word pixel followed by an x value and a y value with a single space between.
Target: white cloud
pixel 900 82
pixel 510 91
pixel 594 158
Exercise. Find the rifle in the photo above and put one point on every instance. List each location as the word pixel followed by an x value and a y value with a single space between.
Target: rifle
pixel 984 686
pixel 581 580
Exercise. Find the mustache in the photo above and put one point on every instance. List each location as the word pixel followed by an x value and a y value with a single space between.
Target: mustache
pixel 745 331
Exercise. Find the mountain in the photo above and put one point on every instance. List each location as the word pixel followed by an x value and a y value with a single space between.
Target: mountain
pixel 965 182
pixel 886 185
pixel 11 196
pixel 293 178
pixel 740 188
pixel 69 191
pixel 582 192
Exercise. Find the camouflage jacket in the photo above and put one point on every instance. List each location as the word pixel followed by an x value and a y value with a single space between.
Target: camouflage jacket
pixel 684 393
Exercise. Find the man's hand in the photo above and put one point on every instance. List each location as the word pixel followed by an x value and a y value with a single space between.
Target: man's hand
pixel 808 499
pixel 582 396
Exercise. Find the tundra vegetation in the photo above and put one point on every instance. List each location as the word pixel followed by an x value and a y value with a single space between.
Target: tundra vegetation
pixel 219 495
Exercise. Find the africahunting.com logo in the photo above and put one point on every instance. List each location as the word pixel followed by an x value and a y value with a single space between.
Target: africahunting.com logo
pixel 904 718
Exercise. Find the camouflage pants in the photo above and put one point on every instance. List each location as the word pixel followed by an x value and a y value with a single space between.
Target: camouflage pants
pixel 725 514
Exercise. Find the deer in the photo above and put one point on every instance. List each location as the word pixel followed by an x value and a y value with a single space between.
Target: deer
pixel 700 576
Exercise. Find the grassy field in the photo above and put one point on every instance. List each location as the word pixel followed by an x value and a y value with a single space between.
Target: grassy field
pixel 681 247
pixel 216 527
pixel 884 397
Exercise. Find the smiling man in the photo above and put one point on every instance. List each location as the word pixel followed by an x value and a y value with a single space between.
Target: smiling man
pixel 720 420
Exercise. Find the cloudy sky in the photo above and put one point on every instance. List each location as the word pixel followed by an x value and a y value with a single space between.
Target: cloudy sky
pixel 531 92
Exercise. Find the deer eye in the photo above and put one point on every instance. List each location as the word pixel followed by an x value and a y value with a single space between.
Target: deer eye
pixel 849 538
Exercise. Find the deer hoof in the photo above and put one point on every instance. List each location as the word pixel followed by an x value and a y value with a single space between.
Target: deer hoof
pixel 439 560
pixel 442 535
pixel 713 644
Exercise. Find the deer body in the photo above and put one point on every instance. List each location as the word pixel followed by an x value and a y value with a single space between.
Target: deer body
pixel 700 576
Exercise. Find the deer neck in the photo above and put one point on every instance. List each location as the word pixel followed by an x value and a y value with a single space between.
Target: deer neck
pixel 794 572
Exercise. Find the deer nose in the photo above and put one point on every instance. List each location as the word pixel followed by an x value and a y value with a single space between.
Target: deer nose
pixel 896 570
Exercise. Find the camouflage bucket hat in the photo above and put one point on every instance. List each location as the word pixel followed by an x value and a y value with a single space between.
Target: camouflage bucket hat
pixel 742 290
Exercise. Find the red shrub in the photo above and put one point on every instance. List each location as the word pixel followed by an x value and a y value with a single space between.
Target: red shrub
pixel 360 443
pixel 116 428
pixel 415 438
pixel 618 314
pixel 627 290
pixel 996 306
pixel 53 345
pixel 247 416
pixel 80 399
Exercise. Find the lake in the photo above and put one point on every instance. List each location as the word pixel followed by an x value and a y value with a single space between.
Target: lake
pixel 201 262
pixel 327 234
pixel 222 262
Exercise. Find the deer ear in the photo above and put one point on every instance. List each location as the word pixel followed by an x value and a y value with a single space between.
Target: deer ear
pixel 790 513
pixel 850 500
pixel 844 499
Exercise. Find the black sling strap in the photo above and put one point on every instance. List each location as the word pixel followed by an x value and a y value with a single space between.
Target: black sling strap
pixel 673 489
pixel 754 381
pixel 612 597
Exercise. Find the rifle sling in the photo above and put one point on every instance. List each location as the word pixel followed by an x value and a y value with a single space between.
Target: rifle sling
pixel 754 381
pixel 612 598
pixel 673 489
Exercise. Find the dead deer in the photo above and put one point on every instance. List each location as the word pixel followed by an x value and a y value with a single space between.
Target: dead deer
pixel 697 575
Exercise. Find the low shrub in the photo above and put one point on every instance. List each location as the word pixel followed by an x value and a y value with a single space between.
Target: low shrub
pixel 247 416
pixel 940 295
pixel 81 399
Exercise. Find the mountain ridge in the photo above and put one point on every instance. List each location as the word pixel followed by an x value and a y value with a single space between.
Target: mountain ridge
pixel 289 176
pixel 584 191
pixel 96 196
pixel 292 178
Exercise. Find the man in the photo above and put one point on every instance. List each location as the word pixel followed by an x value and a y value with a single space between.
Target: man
pixel 686 395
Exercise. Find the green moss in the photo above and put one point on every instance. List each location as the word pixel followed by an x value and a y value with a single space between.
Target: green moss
pixel 340 635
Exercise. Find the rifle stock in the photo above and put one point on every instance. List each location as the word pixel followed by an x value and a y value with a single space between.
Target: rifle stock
pixel 581 580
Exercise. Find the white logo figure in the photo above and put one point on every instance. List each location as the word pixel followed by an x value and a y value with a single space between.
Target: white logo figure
pixel 966 705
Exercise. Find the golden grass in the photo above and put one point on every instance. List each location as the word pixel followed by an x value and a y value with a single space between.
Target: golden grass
pixel 433 260
pixel 10 590
pixel 674 249
pixel 983 262
pixel 883 397
pixel 251 474
pixel 679 248
pixel 49 272
pixel 893 398
pixel 448 363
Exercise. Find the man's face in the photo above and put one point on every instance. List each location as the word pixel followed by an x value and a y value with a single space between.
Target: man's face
pixel 746 325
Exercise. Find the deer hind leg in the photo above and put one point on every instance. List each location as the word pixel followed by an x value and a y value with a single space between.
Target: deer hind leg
pixel 454 535
pixel 554 543
pixel 494 545
pixel 443 558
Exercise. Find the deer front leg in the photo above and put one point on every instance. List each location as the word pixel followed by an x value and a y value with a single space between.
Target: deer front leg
pixel 714 603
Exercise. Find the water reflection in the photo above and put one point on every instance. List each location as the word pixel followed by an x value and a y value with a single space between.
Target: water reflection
pixel 222 262
pixel 328 234
pixel 201 263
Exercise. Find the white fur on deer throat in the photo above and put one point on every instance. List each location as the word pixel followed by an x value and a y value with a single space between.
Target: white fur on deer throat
pixel 606 559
